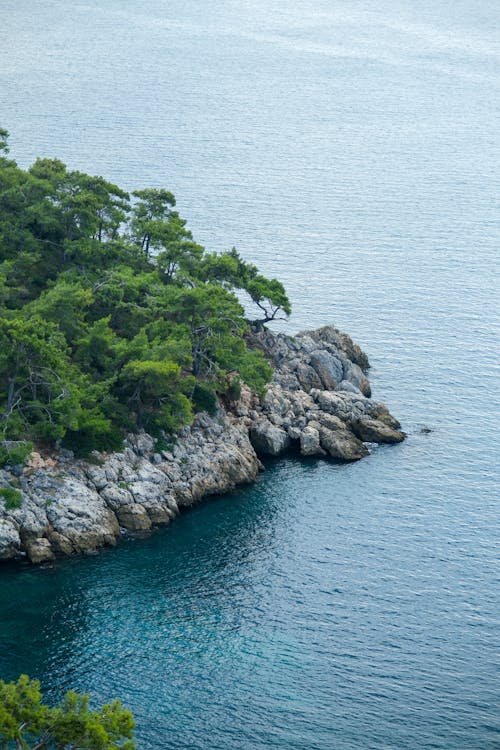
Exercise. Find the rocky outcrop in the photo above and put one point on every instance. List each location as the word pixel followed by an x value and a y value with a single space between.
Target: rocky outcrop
pixel 318 403
pixel 267 439
pixel 319 398
pixel 375 431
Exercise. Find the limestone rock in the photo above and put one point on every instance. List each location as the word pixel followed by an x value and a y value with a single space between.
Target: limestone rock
pixel 355 375
pixel 345 385
pixel 82 516
pixel 375 431
pixel 308 377
pixel 39 550
pixel 134 517
pixel 294 433
pixel 343 342
pixel 61 544
pixel 269 440
pixel 330 421
pixel 160 514
pixel 309 442
pixel 10 541
pixel 342 444
pixel 328 367
pixel 115 495
pixel 141 443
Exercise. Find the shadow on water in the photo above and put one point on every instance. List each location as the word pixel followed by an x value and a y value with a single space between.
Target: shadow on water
pixel 50 615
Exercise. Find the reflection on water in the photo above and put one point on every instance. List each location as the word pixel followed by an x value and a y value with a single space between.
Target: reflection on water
pixel 271 615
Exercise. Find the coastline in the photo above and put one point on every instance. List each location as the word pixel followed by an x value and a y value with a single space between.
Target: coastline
pixel 318 402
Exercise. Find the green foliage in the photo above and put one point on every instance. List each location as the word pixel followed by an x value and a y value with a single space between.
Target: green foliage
pixel 204 399
pixel 37 380
pixel 233 391
pixel 155 394
pixel 162 444
pixel 4 136
pixel 13 453
pixel 231 270
pixel 12 498
pixel 111 316
pixel 26 723
pixel 95 432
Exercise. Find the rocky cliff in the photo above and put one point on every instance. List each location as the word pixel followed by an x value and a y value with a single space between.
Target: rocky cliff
pixel 318 403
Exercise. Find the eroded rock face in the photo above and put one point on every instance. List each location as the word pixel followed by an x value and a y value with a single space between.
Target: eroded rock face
pixel 310 442
pixel 267 439
pixel 342 444
pixel 134 517
pixel 328 367
pixel 39 550
pixel 10 541
pixel 375 431
pixel 317 401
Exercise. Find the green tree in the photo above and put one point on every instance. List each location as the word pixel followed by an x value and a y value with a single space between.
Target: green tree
pixel 66 304
pixel 230 270
pixel 151 211
pixel 111 316
pixel 38 382
pixel 155 394
pixel 27 723
pixel 4 137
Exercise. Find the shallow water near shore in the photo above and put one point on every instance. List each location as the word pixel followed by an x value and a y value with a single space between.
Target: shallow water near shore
pixel 350 149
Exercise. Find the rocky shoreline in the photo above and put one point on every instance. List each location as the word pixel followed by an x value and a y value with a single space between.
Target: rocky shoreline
pixel 318 403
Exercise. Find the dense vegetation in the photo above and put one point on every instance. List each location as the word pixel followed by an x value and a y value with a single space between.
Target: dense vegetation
pixel 26 723
pixel 112 317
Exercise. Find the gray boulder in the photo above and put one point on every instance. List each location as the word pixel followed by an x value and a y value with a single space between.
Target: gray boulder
pixel 39 550
pixel 348 387
pixel 10 541
pixel 343 342
pixel 342 444
pixel 355 375
pixel 328 367
pixel 134 517
pixel 308 377
pixel 309 442
pixel 375 431
pixel 82 516
pixel 268 440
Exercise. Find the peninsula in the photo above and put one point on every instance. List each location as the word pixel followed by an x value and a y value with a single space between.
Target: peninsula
pixel 133 381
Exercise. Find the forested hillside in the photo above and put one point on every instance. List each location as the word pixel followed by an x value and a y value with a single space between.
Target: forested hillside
pixel 112 317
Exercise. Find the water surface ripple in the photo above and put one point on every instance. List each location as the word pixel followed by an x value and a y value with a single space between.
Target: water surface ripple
pixel 352 149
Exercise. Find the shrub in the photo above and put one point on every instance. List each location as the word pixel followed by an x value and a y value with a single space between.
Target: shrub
pixel 162 444
pixel 204 399
pixel 14 452
pixel 95 432
pixel 12 498
pixel 233 391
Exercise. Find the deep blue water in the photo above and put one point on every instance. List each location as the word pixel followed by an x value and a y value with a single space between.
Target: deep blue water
pixel 352 149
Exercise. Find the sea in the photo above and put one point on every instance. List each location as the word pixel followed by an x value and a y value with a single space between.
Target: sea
pixel 351 149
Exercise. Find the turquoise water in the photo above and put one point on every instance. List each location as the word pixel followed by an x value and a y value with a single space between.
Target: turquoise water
pixel 352 149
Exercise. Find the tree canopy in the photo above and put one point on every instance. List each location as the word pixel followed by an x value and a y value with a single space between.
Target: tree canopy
pixel 26 723
pixel 111 316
